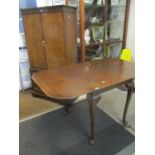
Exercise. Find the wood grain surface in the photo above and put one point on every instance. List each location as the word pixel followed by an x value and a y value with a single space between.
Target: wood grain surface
pixel 72 81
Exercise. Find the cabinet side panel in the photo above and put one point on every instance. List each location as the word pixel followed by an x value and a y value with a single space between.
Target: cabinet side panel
pixel 70 30
pixel 54 38
pixel 33 36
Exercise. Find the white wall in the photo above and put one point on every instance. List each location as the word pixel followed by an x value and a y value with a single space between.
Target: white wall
pixel 131 29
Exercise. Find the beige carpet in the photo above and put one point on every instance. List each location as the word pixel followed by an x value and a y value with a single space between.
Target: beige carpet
pixel 30 106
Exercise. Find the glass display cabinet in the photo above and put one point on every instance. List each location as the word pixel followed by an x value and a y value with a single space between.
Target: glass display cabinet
pixel 103 27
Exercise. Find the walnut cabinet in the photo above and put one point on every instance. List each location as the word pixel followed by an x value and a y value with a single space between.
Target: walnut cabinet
pixel 51 34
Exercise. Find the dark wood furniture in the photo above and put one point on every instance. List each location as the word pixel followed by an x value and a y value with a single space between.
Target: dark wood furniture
pixel 69 82
pixel 50 34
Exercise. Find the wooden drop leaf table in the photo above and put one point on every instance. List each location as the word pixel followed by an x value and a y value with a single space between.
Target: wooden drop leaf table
pixel 72 81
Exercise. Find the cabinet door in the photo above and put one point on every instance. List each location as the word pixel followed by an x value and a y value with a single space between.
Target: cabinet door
pixel 34 38
pixel 70 27
pixel 54 38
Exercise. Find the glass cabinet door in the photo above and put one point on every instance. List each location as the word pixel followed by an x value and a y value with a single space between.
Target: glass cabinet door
pixel 114 27
pixel 104 27
pixel 112 50
pixel 115 19
pixel 94 21
pixel 94 29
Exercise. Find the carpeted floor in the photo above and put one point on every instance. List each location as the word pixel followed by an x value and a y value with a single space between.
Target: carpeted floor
pixel 57 134
pixel 112 103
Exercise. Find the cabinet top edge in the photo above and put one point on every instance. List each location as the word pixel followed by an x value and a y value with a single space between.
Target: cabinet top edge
pixel 47 8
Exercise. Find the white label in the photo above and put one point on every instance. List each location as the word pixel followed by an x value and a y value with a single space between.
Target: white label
pixel 58 2
pixel 42 3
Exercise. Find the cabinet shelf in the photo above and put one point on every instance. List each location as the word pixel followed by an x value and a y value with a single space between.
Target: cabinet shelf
pixel 107 22
pixel 114 21
pixel 117 6
pixel 93 44
pixel 102 6
pixel 95 24
pixel 88 6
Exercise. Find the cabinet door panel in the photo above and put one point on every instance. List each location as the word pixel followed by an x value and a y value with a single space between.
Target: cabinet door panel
pixel 54 38
pixel 70 25
pixel 33 34
pixel 113 50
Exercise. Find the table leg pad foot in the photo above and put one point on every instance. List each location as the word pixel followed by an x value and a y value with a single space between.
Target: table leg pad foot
pixel 125 123
pixel 91 142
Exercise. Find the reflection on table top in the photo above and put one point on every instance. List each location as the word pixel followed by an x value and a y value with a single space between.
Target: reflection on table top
pixel 75 80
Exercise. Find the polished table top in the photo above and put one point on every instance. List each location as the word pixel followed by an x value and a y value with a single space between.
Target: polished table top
pixel 75 80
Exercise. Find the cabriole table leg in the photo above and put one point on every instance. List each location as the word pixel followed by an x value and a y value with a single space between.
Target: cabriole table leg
pixel 93 100
pixel 130 87
pixel 68 104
